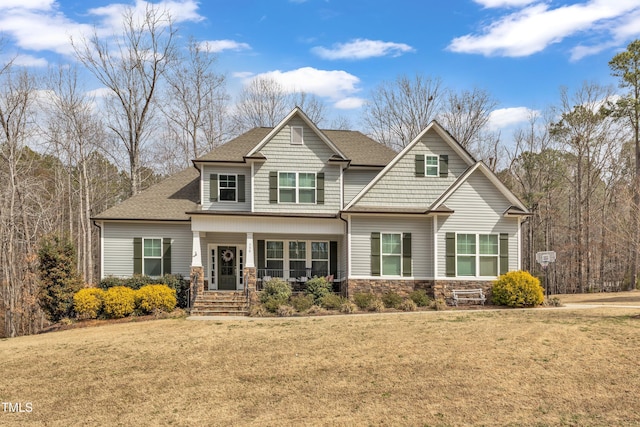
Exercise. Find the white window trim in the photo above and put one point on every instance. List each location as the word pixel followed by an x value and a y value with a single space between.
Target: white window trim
pixel 220 188
pixel 301 142
pixel 297 188
pixel 161 258
pixel 478 255
pixel 426 165
pixel 382 255
pixel 286 258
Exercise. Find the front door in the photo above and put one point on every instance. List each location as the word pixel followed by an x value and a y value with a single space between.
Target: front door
pixel 227 268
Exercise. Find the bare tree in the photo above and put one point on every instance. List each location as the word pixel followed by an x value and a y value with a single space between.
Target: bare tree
pixel 466 115
pixel 262 103
pixel 196 104
pixel 131 66
pixel 397 111
pixel 312 106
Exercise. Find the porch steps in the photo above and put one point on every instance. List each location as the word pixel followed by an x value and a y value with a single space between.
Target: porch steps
pixel 220 303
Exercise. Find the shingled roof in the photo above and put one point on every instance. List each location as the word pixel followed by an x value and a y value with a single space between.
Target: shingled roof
pixel 359 148
pixel 170 199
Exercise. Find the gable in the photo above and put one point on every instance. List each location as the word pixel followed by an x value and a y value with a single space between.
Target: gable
pixel 398 186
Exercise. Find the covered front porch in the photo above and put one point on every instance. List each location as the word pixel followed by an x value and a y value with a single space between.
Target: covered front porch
pixel 241 254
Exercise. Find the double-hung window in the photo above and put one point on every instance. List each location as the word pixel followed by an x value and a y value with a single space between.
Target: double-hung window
pixel 319 258
pixel 477 255
pixel 275 258
pixel 297 259
pixel 296 187
pixel 391 251
pixel 432 166
pixel 152 257
pixel 227 185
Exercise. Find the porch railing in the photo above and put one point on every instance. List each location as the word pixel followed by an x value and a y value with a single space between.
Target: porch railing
pixel 297 278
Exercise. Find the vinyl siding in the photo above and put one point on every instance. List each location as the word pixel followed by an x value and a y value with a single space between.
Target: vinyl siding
pixel 421 230
pixel 118 245
pixel 226 206
pixel 355 180
pixel 479 208
pixel 400 187
pixel 282 156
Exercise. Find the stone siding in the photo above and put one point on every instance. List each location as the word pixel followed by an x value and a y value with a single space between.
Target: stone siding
pixel 197 283
pixel 442 288
pixel 380 286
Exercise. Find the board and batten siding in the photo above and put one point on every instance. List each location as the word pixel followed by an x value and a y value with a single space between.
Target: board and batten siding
pixel 310 157
pixel 207 204
pixel 479 209
pixel 355 180
pixel 118 245
pixel 400 186
pixel 421 229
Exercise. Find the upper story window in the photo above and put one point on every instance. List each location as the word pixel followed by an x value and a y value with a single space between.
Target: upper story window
pixel 296 135
pixel 432 166
pixel 296 187
pixel 228 188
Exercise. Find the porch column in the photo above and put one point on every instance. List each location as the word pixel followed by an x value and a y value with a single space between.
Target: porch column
pixel 249 261
pixel 197 271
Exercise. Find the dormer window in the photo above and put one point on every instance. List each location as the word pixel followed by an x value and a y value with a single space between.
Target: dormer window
pixel 296 135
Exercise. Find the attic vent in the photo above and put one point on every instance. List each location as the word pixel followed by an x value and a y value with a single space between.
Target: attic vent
pixel 296 135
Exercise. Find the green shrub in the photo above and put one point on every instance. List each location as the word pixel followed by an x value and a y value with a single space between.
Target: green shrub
pixel 119 301
pixel 150 298
pixel 420 297
pixel 391 299
pixel 59 278
pixel 331 301
pixel 301 303
pixel 408 305
pixel 363 300
pixel 318 287
pixel 276 292
pixel 517 289
pixel 87 302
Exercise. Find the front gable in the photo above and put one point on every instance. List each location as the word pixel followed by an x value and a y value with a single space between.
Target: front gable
pixel 419 174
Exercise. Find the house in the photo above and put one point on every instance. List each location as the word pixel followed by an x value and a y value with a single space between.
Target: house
pixel 294 201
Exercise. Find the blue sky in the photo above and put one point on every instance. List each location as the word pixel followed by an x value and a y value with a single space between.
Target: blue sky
pixel 520 51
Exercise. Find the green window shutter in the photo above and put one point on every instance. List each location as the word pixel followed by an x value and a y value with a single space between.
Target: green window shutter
pixel 333 259
pixel 504 253
pixel 419 164
pixel 213 187
pixel 444 166
pixel 137 255
pixel 451 254
pixel 241 195
pixel 406 254
pixel 166 256
pixel 375 254
pixel 261 254
pixel 320 188
pixel 273 187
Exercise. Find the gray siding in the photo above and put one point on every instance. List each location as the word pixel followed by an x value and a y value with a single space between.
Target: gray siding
pixel 226 206
pixel 421 229
pixel 282 156
pixel 355 180
pixel 479 208
pixel 118 245
pixel 400 187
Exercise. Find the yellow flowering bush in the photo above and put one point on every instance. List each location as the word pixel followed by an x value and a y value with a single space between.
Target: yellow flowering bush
pixel 518 289
pixel 119 301
pixel 87 302
pixel 155 297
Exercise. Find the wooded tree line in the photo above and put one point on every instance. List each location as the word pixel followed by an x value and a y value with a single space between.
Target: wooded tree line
pixel 68 153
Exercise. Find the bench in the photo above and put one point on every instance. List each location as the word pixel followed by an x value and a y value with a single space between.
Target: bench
pixel 467 295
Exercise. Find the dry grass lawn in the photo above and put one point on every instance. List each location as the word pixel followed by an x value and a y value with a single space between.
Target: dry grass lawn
pixel 509 367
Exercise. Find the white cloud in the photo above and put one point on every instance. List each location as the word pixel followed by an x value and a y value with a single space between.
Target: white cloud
pixel 215 46
pixel 350 103
pixel 30 61
pixel 362 49
pixel 242 74
pixel 27 4
pixel 504 3
pixel 505 117
pixel 533 28
pixel 337 85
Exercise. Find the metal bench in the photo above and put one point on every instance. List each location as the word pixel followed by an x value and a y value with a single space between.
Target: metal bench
pixel 467 295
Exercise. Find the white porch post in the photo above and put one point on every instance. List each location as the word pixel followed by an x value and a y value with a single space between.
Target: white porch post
pixel 196 256
pixel 249 262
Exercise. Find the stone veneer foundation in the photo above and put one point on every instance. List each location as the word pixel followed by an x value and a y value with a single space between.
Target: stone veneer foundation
pixel 434 288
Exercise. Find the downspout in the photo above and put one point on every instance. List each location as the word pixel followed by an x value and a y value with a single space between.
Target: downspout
pixel 100 246
pixel 346 261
